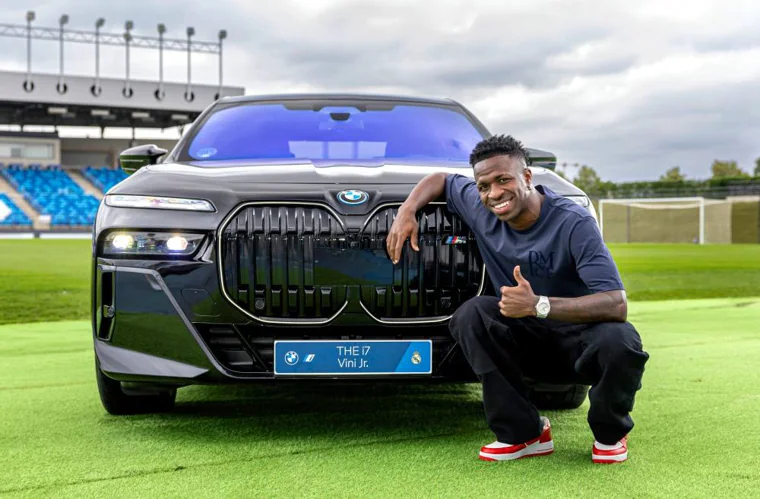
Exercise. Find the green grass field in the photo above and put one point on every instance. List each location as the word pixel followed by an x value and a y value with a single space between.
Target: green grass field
pixel 695 434
pixel 46 280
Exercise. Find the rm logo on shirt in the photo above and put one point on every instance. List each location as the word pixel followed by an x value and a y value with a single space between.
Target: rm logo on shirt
pixel 540 265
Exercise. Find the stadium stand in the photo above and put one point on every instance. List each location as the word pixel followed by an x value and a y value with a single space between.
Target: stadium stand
pixel 50 191
pixel 104 177
pixel 16 217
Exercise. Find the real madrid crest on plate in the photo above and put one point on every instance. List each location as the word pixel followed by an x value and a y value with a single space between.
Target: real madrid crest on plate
pixel 416 358
pixel 353 197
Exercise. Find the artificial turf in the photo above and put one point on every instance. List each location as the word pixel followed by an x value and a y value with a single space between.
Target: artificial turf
pixel 44 279
pixel 695 436
pixel 49 279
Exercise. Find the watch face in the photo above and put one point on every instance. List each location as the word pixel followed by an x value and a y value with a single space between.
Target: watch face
pixel 543 308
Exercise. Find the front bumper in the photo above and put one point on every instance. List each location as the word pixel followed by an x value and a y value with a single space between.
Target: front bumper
pixel 167 322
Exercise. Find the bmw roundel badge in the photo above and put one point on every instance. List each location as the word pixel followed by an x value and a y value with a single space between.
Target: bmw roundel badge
pixel 353 197
pixel 291 358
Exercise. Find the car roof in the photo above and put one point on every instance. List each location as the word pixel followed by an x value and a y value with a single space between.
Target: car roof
pixel 336 96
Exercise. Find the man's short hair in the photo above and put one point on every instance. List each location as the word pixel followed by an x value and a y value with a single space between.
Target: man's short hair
pixel 498 145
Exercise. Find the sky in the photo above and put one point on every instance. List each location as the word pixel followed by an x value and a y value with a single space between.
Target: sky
pixel 628 88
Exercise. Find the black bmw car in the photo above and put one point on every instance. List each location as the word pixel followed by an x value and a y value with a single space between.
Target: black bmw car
pixel 254 251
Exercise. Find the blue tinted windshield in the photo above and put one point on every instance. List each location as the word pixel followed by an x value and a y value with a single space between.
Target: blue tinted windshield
pixel 369 131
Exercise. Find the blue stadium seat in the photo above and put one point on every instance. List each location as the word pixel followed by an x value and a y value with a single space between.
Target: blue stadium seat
pixel 16 217
pixel 104 177
pixel 52 192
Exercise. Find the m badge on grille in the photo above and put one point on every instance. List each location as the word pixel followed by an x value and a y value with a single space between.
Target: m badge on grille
pixel 455 240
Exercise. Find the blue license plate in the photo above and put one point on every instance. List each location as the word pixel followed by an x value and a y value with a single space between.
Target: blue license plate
pixel 353 357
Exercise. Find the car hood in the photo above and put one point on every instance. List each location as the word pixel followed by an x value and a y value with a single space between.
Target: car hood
pixel 307 172
pixel 232 186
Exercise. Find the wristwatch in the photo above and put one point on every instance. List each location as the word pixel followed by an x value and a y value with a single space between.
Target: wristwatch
pixel 543 307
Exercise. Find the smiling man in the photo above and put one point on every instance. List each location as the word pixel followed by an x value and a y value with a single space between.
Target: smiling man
pixel 560 310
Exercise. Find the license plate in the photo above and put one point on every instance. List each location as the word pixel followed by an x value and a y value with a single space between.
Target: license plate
pixel 353 357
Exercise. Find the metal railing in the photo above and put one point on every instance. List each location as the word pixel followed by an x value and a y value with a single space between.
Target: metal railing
pixel 117 39
pixel 126 39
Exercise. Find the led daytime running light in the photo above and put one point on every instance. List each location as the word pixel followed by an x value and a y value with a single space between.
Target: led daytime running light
pixel 158 202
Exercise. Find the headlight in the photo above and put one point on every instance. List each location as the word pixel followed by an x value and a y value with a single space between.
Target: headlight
pixel 122 243
pixel 586 203
pixel 158 202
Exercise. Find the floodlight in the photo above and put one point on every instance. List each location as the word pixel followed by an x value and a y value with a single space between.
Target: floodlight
pixel 30 16
pixel 161 28
pixel 63 20
pixel 100 22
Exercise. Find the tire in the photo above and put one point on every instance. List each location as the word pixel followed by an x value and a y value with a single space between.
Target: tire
pixel 118 403
pixel 558 396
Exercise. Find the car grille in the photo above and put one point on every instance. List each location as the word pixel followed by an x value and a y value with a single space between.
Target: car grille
pixel 300 264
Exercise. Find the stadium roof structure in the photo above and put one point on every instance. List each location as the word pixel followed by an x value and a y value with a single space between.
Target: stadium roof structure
pixel 39 99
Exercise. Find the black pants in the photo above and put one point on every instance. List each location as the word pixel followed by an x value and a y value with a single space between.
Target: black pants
pixel 503 351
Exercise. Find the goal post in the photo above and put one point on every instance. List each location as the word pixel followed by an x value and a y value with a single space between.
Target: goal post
pixel 665 220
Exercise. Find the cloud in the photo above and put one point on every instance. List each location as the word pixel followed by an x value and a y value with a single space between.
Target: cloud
pixel 630 88
pixel 683 110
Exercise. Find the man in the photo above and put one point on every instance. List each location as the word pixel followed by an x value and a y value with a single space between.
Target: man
pixel 560 311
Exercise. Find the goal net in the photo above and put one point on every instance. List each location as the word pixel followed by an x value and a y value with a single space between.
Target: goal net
pixel 665 220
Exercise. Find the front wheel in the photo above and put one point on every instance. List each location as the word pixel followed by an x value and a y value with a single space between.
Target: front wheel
pixel 119 403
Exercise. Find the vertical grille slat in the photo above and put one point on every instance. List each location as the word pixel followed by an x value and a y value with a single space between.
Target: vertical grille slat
pixel 243 265
pixel 250 243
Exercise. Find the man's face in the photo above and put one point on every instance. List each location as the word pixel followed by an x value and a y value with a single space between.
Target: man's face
pixel 503 185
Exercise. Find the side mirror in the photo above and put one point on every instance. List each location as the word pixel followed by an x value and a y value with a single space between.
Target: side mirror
pixel 135 158
pixel 544 159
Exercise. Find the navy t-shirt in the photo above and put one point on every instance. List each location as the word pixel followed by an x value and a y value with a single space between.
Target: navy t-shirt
pixel 561 255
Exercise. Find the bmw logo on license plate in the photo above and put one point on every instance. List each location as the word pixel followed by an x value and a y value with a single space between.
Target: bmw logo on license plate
pixel 353 197
pixel 291 358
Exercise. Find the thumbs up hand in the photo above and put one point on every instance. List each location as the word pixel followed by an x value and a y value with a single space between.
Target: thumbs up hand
pixel 518 301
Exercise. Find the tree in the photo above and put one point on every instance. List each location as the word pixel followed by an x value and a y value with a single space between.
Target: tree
pixel 757 167
pixel 563 171
pixel 673 175
pixel 727 169
pixel 587 179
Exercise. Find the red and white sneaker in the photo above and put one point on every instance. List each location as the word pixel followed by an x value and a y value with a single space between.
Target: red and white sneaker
pixel 607 454
pixel 540 446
